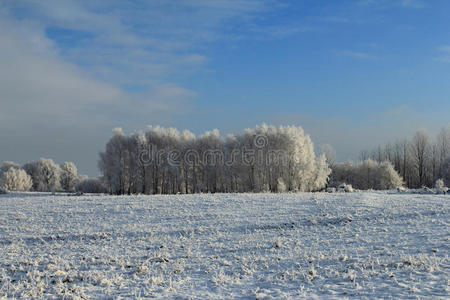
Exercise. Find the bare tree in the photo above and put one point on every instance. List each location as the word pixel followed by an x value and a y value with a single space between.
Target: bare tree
pixel 330 154
pixel 419 152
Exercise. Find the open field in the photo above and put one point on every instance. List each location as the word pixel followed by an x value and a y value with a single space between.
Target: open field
pixel 250 246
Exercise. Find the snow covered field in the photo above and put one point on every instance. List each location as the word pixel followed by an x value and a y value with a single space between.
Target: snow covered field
pixel 252 246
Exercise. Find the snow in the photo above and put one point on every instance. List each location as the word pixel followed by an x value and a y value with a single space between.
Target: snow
pixel 252 246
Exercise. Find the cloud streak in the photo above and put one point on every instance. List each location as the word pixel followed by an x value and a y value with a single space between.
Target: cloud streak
pixel 389 3
pixel 356 54
pixel 444 54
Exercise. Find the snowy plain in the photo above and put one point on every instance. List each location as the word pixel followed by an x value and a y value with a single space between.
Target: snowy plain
pixel 243 246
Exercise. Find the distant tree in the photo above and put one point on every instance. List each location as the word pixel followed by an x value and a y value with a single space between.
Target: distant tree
pixel 6 165
pixel 445 171
pixel 68 176
pixel 281 186
pixel 32 169
pixel 387 177
pixel 45 174
pixel 365 175
pixel 329 153
pixel 321 175
pixel 343 173
pixel 15 180
pixel 364 155
pixel 93 185
pixel 443 144
pixel 419 153
pixel 113 162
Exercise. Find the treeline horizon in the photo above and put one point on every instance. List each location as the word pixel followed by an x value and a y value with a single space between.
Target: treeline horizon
pixel 420 160
pixel 263 159
pixel 44 175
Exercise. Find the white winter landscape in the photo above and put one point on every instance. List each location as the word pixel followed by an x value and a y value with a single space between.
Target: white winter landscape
pixel 224 149
pixel 211 246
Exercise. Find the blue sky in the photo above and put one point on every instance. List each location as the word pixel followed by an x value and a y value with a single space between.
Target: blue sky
pixel 352 73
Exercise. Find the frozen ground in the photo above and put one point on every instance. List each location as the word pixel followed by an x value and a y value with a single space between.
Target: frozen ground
pixel 253 246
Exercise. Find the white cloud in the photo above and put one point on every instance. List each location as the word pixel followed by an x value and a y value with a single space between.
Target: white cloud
pixel 53 108
pixel 36 82
pixel 149 41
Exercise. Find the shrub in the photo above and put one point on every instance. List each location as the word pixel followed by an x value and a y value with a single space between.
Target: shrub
pixel 347 188
pixel 440 186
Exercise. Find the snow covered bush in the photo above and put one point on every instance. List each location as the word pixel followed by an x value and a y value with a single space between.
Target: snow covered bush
pixel 345 188
pixel 93 185
pixel 366 175
pixel 68 176
pixel 401 189
pixel 388 178
pixel 281 187
pixel 440 186
pixel 15 180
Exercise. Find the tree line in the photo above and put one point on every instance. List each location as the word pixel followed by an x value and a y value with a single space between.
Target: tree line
pixel 420 161
pixel 262 159
pixel 167 161
pixel 45 175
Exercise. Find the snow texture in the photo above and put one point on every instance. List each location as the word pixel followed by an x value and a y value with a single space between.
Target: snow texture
pixel 251 246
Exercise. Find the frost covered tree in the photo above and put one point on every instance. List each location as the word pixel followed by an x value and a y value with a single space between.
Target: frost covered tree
pixel 45 174
pixel 388 178
pixel 281 186
pixel 368 174
pixel 321 175
pixel 15 179
pixel 113 163
pixel 68 176
pixel 32 169
pixel 420 160
pixel 6 165
pixel 165 161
